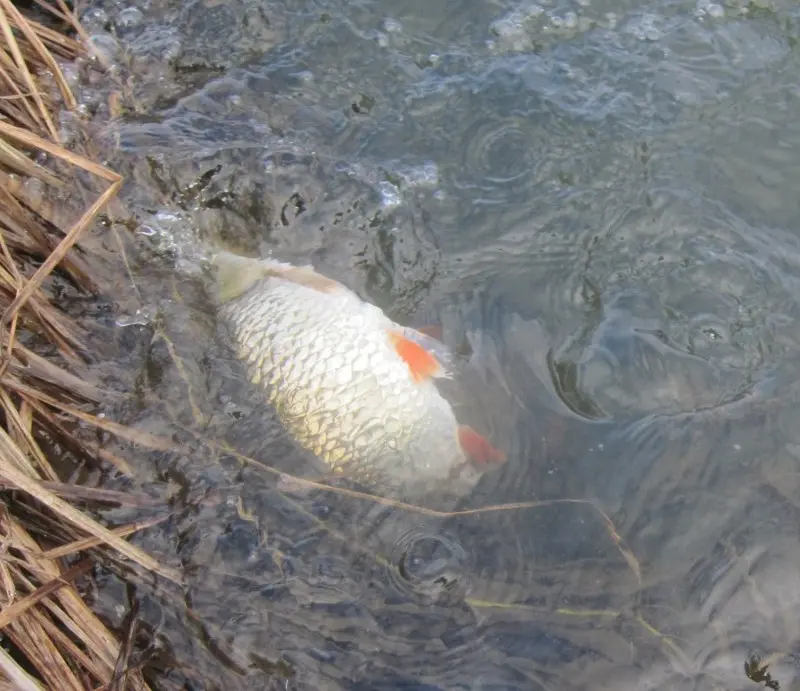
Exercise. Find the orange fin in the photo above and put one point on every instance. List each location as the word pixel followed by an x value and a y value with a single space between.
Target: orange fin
pixel 422 363
pixel 478 448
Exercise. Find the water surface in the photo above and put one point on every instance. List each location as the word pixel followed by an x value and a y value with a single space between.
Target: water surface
pixel 600 198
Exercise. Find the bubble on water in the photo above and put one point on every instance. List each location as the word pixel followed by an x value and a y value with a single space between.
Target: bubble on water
pixel 513 24
pixel 707 8
pixel 392 26
pixel 426 175
pixel 35 191
pixel 390 194
pixel 570 20
pixel 141 317
pixel 129 18
pixel 343 167
pixel 72 74
pixel 382 39
pixel 157 42
pixel 94 18
pixel 166 217
pixel 103 47
pixel 69 125
pixel 165 228
pixel 644 28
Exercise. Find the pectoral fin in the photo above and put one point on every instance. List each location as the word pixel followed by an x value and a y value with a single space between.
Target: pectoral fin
pixel 421 362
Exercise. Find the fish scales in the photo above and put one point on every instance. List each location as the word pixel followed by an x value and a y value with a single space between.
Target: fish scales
pixel 327 366
pixel 350 385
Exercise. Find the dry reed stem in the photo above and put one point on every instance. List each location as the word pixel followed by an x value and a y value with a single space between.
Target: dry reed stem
pixel 53 639
pixel 14 77
pixel 89 542
pixel 42 116
pixel 12 473
pixel 19 678
pixel 26 28
pixel 15 159
pixel 35 142
pixel 135 436
pixel 16 608
pixel 60 252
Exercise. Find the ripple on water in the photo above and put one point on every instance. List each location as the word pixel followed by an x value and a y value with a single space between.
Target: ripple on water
pixel 566 222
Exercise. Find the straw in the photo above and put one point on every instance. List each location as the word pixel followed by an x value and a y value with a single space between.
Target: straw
pixel 52 639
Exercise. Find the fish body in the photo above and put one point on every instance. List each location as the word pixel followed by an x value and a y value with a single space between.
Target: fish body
pixel 350 385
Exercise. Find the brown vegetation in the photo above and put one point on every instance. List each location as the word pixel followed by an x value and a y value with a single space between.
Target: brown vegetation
pixel 49 637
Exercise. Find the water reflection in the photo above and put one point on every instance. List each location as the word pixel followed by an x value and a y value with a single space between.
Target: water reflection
pixel 597 202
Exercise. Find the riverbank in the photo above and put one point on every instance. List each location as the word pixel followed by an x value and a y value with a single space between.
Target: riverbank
pixel 51 438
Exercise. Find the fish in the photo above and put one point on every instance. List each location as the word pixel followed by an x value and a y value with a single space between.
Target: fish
pixel 356 389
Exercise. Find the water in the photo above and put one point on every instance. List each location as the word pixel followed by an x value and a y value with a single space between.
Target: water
pixel 600 198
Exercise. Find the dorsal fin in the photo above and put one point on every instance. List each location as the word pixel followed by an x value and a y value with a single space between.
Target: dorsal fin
pixel 235 275
pixel 307 276
pixel 422 363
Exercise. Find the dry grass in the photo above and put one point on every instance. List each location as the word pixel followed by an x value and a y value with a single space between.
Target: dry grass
pixel 50 637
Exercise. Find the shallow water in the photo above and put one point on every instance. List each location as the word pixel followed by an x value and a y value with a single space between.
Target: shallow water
pixel 600 197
